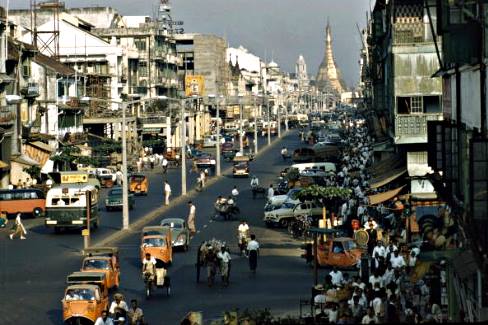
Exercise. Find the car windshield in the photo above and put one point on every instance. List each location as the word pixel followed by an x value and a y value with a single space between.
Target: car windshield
pixel 153 242
pixel 79 294
pixel 137 178
pixel 115 192
pixel 288 205
pixel 172 225
pixel 95 264
pixel 241 165
pixel 293 193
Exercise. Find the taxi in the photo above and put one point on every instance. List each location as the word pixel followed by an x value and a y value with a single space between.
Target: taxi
pixel 103 259
pixel 85 297
pixel 138 184
pixel 157 241
pixel 341 252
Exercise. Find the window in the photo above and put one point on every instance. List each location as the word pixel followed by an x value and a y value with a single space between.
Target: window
pixel 461 13
pixel 410 105
pixel 417 106
pixel 26 70
pixel 140 44
pixel 142 68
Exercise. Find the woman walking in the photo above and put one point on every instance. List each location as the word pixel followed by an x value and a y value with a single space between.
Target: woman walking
pixel 18 228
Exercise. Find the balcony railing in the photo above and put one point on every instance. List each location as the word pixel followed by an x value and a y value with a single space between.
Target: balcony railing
pixel 8 115
pixel 412 128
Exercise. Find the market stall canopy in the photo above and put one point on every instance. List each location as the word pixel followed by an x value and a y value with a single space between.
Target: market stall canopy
pixel 387 177
pixel 383 166
pixel 385 196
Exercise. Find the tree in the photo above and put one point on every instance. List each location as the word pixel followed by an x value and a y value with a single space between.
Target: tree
pixel 327 196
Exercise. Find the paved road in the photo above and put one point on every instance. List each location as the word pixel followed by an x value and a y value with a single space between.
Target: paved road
pixel 33 271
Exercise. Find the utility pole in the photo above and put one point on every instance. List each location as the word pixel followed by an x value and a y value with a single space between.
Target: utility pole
pixel 279 121
pixel 125 189
pixel 217 146
pixel 255 127
pixel 269 121
pixel 241 146
pixel 183 148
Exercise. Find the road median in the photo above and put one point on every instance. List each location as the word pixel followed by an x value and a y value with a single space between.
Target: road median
pixel 151 216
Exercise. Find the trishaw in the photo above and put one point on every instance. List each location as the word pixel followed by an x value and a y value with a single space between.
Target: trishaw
pixel 85 297
pixel 156 240
pixel 138 184
pixel 258 190
pixel 103 259
pixel 156 279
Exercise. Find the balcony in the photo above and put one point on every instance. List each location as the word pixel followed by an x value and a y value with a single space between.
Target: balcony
pixel 30 90
pixel 412 128
pixel 142 90
pixel 8 115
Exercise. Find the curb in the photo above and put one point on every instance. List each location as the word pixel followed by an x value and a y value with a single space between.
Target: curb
pixel 137 226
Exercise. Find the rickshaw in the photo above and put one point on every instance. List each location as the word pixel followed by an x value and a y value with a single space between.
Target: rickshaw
pixel 207 257
pixel 226 211
pixel 159 279
pixel 139 184
pixel 85 297
pixel 103 259
pixel 156 240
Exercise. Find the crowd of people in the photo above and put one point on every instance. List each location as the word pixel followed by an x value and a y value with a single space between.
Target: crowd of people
pixel 392 292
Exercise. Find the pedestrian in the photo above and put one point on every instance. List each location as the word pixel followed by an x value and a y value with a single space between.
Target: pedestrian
pixel 104 319
pixel 135 314
pixel 151 161
pixel 337 277
pixel 235 193
pixel 270 192
pixel 253 253
pixel 18 228
pixel 118 308
pixel 165 165
pixel 139 165
pixel 167 192
pixel 225 259
pixel 118 177
pixel 191 218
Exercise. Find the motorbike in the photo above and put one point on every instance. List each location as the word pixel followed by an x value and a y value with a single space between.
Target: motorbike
pixel 227 211
pixel 243 238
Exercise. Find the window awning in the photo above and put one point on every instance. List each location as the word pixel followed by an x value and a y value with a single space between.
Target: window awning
pixel 387 177
pixel 385 196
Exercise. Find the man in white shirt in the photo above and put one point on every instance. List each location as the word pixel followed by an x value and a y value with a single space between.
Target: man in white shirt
pixel 165 165
pixel 397 261
pixel 337 277
pixel 253 251
pixel 235 193
pixel 379 249
pixel 191 218
pixel 167 192
pixel 202 178
pixel 369 317
pixel 376 278
pixel 119 307
pixel 104 319
pixel 254 181
pixel 270 192
pixel 224 258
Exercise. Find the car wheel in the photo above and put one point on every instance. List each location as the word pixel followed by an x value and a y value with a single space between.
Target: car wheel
pixel 57 230
pixel 185 248
pixel 37 212
pixel 268 224
pixel 108 209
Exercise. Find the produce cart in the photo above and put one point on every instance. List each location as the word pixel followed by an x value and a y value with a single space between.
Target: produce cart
pixel 207 257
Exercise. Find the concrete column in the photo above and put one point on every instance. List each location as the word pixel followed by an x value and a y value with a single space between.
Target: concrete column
pixel 168 131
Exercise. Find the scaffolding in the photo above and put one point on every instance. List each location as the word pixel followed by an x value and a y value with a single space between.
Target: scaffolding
pixel 49 45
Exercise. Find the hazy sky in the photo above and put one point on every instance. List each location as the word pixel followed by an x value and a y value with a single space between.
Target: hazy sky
pixel 279 29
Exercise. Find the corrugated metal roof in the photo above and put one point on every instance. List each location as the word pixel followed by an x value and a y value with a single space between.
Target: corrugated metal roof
pixel 53 65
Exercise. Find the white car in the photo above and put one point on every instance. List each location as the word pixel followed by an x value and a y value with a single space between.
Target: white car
pixel 210 141
pixel 289 211
pixel 278 200
pixel 105 173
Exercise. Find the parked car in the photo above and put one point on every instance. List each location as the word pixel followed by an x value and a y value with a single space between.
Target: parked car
pixel 289 211
pixel 114 199
pixel 180 233
pixel 210 141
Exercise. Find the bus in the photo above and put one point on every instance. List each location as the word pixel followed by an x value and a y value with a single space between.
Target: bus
pixel 67 206
pixel 29 201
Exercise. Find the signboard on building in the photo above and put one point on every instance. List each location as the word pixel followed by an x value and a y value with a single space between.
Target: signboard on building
pixel 194 85
pixel 73 178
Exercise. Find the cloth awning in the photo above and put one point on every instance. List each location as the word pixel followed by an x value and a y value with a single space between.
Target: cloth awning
pixel 387 177
pixel 24 160
pixel 383 166
pixel 385 196
pixel 3 165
